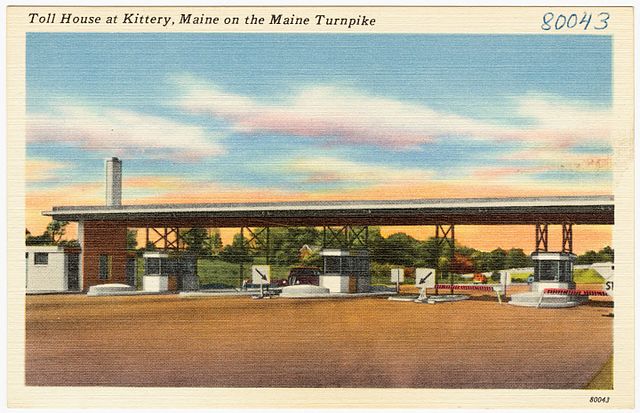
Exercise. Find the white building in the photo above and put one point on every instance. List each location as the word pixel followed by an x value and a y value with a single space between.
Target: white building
pixel 50 268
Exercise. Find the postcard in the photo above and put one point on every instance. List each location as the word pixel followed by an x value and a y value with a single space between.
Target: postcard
pixel 390 207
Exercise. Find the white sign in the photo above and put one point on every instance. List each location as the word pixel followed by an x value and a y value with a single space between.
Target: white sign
pixel 397 275
pixel 260 274
pixel 606 270
pixel 505 277
pixel 425 277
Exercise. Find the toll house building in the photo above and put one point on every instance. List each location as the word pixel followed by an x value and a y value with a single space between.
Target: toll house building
pixel 102 230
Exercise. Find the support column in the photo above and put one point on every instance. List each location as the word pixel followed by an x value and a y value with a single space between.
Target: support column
pixel 107 239
pixel 445 234
pixel 242 254
pixel 268 252
pixel 567 237
pixel 82 254
pixel 542 237
pixel 324 237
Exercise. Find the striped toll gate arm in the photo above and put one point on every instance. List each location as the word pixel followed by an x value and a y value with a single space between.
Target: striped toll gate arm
pixel 466 287
pixel 564 291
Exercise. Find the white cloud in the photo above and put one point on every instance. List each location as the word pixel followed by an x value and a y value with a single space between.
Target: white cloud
pixel 120 132
pixel 352 116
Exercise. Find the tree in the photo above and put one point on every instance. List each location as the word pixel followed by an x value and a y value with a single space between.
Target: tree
pixel 443 264
pixel 516 258
pixel 285 243
pixel 461 264
pixel 51 236
pixel 197 240
pixel 44 239
pixel 604 255
pixel 132 239
pixel 71 243
pixel 375 236
pixel 399 249
pixel 497 259
pixel 480 261
pixel 588 257
pixel 428 253
pixel 234 252
pixel 150 246
pixel 215 242
pixel 56 230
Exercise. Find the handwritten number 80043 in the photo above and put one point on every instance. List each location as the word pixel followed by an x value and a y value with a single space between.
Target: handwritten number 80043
pixel 551 21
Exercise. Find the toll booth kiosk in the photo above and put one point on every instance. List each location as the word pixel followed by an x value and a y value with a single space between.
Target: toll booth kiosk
pixel 345 271
pixel 164 272
pixel 552 270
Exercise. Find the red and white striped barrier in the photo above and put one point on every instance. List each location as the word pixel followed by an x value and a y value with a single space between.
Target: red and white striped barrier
pixel 564 291
pixel 465 287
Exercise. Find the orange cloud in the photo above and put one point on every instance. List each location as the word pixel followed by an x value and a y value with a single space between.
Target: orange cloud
pixel 37 170
pixel 44 199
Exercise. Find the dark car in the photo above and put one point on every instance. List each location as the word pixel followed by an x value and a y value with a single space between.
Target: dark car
pixel 304 275
pixel 278 283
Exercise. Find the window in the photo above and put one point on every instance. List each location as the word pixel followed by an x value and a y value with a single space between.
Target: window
pixel 565 271
pixel 547 270
pixel 105 267
pixel 169 266
pixel 332 265
pixel 152 266
pixel 41 258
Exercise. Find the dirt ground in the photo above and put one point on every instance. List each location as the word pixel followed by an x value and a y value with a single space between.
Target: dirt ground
pixel 365 342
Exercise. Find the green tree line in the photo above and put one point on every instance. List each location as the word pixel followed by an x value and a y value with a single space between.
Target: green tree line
pixel 398 249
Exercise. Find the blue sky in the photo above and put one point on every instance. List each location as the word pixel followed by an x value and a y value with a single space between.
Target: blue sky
pixel 294 116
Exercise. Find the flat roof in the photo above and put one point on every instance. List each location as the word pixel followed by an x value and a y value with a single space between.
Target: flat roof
pixel 597 209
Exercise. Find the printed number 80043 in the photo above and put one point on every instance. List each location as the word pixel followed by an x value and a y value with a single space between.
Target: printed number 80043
pixel 596 399
pixel 551 21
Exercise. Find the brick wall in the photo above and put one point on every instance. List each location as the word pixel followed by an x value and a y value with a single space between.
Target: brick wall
pixel 103 238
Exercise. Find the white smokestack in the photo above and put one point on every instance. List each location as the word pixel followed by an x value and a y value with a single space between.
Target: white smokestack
pixel 113 169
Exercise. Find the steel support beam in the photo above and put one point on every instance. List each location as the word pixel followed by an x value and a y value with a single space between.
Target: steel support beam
pixel 542 237
pixel 445 234
pixel 183 236
pixel 567 238
pixel 345 237
pixel 256 239
pixel 242 255
pixel 167 238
